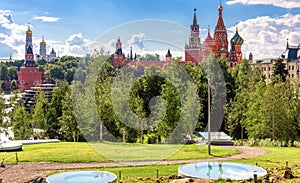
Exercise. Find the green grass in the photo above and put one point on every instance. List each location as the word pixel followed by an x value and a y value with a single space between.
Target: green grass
pixel 56 152
pixel 83 152
pixel 277 157
pixel 104 152
pixel 125 152
pixel 199 152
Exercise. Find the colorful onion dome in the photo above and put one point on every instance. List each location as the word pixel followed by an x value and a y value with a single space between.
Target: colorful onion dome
pixel 238 40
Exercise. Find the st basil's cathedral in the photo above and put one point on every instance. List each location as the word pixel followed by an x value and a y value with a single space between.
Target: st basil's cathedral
pixel 195 51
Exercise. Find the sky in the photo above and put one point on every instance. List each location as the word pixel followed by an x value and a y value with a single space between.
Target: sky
pixel 72 26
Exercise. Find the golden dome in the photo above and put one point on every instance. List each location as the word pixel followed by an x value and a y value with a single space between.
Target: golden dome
pixel 43 42
pixel 220 8
pixel 29 32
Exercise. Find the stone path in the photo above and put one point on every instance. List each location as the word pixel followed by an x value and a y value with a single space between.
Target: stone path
pixel 23 171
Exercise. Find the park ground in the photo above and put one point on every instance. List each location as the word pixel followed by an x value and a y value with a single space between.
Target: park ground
pixel 45 159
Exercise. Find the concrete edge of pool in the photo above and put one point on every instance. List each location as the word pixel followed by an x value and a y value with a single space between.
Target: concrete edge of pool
pixel 83 177
pixel 220 170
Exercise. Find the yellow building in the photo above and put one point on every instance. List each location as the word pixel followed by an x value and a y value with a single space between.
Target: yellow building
pixel 291 59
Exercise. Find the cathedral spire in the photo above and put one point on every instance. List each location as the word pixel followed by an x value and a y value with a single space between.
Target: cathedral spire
pixel 208 28
pixel 220 34
pixel 220 24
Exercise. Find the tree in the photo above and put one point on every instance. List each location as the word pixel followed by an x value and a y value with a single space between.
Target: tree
pixel 245 82
pixel 270 112
pixel 13 73
pixel 57 73
pixel 41 62
pixel 69 127
pixel 150 57
pixel 22 127
pixel 3 85
pixel 3 125
pixel 13 84
pixel 279 70
pixel 39 111
pixel 3 72
pixel 69 75
pixel 54 111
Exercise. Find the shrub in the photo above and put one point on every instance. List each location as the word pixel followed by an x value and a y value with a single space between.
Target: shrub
pixel 267 143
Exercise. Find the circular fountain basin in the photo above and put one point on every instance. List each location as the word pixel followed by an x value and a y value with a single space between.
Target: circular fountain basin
pixel 83 177
pixel 220 170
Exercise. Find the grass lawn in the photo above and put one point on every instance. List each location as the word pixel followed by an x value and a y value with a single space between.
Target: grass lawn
pixel 277 157
pixel 103 152
pixel 83 152
pixel 125 152
pixel 55 152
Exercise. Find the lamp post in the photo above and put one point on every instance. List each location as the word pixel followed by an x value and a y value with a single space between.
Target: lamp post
pixel 208 122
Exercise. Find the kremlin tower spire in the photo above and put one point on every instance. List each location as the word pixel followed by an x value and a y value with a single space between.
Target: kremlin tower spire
pixel 28 39
pixel 195 24
pixel 168 56
pixel 194 47
pixel 220 35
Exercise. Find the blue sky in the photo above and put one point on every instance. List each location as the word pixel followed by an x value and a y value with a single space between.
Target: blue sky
pixel 70 25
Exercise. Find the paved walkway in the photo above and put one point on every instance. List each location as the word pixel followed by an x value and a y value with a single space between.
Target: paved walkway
pixel 23 171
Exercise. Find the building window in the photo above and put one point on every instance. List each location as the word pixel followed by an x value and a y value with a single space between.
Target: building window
pixel 289 67
pixel 292 67
pixel 292 75
pixel 269 68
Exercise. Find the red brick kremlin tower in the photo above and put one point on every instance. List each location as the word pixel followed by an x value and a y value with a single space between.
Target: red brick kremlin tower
pixel 193 50
pixel 29 75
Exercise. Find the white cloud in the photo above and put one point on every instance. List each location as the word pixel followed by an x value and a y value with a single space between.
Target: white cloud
pixel 46 18
pixel 136 41
pixel 266 36
pixel 278 3
pixel 11 38
pixel 75 45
